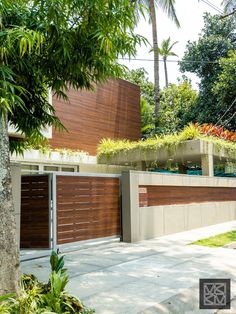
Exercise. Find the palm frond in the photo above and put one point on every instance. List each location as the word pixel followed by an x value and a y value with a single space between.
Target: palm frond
pixel 172 45
pixel 168 6
pixel 229 5
pixel 166 48
pixel 172 54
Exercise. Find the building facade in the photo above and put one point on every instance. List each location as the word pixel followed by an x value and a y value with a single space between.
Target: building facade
pixel 111 110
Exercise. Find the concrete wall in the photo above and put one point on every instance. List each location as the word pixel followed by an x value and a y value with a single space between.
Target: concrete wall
pixel 141 223
pixel 16 190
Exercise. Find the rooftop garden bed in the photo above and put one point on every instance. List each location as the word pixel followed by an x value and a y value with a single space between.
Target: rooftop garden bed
pixel 223 140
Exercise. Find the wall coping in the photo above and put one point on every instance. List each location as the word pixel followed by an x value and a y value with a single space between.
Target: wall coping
pixel 54 157
pixel 151 178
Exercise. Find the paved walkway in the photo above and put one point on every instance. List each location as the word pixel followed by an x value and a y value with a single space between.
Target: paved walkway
pixel 154 276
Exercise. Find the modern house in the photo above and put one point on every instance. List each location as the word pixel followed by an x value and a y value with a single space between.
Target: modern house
pixel 112 110
pixel 67 197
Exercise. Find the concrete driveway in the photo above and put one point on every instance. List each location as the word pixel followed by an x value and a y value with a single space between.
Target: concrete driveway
pixel 154 276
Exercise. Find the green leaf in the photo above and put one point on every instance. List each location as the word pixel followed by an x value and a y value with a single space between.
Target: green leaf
pixel 7 296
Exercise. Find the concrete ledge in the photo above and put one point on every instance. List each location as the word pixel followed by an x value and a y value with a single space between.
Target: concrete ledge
pixel 54 157
pixel 186 150
pixel 152 178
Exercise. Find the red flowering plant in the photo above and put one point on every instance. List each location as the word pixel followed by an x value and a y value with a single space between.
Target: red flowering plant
pixel 216 131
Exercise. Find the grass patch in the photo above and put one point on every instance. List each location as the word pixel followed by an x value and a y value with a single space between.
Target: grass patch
pixel 218 240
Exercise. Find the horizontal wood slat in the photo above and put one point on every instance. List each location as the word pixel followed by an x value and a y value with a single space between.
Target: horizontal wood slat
pixel 111 111
pixel 89 213
pixel 34 212
pixel 169 195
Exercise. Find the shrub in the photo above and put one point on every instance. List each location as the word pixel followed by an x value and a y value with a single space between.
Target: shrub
pixel 217 131
pixel 44 298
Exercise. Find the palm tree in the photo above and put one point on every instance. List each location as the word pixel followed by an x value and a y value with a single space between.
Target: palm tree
pixel 168 7
pixel 166 51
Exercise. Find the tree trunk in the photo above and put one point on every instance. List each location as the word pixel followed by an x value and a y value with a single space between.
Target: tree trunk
pixel 166 73
pixel 156 61
pixel 9 252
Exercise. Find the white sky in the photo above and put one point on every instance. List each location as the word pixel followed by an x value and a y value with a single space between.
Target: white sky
pixel 190 14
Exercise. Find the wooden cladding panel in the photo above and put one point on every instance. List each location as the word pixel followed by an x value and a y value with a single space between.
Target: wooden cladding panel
pixel 112 111
pixel 169 195
pixel 87 208
pixel 34 212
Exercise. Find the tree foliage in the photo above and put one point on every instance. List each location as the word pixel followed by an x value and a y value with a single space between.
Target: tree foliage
pixel 50 44
pixel 147 118
pixel 168 6
pixel 53 44
pixel 202 57
pixel 177 101
pixel 140 78
pixel 225 90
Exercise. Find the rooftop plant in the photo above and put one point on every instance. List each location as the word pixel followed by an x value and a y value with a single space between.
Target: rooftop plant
pixel 223 139
pixel 45 148
pixel 217 131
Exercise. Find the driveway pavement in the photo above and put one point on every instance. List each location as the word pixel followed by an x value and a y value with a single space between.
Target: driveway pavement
pixel 154 276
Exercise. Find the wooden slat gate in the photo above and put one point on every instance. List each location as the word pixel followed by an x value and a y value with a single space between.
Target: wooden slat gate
pixel 59 209
pixel 88 207
pixel 35 212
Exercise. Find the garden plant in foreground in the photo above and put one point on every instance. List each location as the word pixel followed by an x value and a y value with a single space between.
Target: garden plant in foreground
pixel 44 298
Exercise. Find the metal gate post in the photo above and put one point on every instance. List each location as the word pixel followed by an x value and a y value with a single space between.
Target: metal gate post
pixel 53 212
